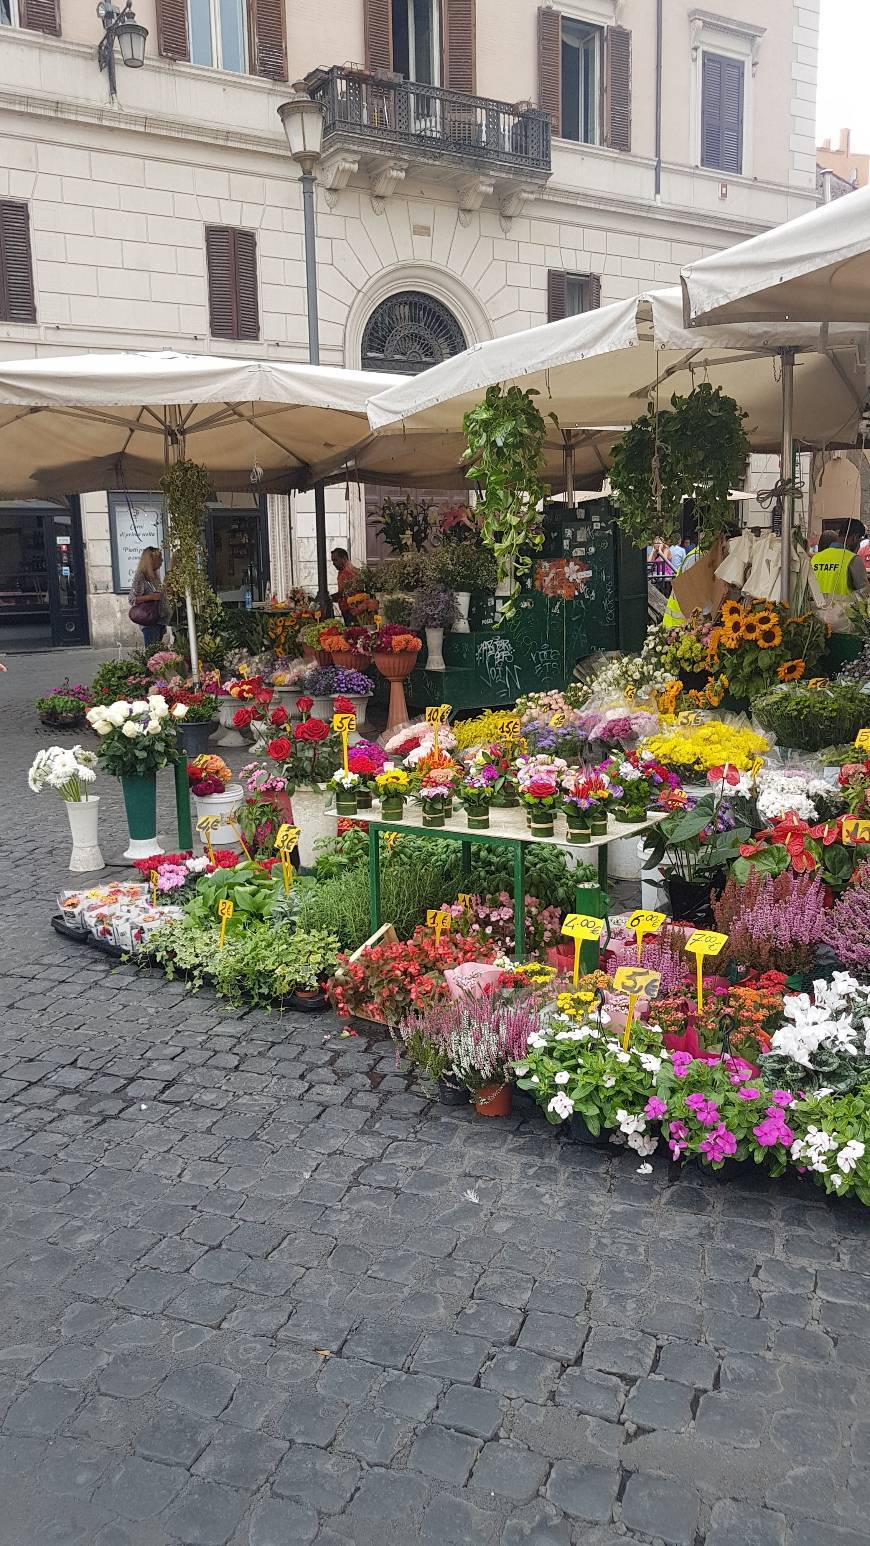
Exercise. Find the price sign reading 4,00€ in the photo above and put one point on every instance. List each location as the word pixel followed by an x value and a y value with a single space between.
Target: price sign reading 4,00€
pixel 580 926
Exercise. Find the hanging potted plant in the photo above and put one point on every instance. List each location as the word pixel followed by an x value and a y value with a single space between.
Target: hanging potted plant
pixel 505 437
pixel 395 652
pixel 434 610
pixel 215 794
pixel 136 740
pixel 70 772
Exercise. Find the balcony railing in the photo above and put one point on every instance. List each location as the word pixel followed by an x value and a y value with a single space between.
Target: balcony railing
pixel 398 115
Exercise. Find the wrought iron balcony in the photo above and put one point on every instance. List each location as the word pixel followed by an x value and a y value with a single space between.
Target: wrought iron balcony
pixel 386 115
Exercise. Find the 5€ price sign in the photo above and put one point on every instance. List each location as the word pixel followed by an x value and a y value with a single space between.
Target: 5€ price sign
pixel 862 739
pixel 225 912
pixel 343 724
pixel 636 982
pixel 580 926
pixel 856 829
pixel 438 919
pixel 701 943
pixel 644 922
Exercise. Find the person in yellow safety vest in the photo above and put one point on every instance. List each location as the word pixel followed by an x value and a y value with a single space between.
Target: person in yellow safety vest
pixel 672 616
pixel 836 566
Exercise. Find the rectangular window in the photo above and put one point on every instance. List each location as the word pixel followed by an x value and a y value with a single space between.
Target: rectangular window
pixel 581 81
pixel 722 87
pixel 417 40
pixel 217 34
pixel 231 259
pixel 17 301
pixel 569 295
pixel 8 13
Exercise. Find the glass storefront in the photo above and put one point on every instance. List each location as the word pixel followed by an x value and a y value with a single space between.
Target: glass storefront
pixel 236 539
pixel 42 580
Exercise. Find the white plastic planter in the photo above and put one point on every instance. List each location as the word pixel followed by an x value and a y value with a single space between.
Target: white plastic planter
pixel 434 647
pixel 224 805
pixel 229 735
pixel 463 601
pixel 83 817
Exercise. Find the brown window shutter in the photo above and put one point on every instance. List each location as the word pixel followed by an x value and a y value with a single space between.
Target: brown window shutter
pixel 231 259
pixel 40 16
pixel 619 88
pixel 247 305
pixel 550 65
pixel 17 303
pixel 460 45
pixel 594 291
pixel 378 28
pixel 557 295
pixel 268 39
pixel 172 40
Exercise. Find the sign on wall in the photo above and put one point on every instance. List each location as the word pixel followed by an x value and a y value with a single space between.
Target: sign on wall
pixel 134 524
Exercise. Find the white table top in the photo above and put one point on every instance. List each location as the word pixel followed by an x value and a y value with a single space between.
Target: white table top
pixel 511 822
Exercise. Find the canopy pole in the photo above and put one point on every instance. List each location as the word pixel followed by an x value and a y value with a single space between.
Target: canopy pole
pixel 786 473
pixel 568 458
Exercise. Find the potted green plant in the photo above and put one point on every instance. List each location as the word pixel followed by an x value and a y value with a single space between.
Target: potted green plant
pixel 694 848
pixel 465 567
pixel 475 793
pixel 405 524
pixel 809 718
pixel 344 786
pixel 136 740
pixel 199 723
pixel 433 610
pixel 505 436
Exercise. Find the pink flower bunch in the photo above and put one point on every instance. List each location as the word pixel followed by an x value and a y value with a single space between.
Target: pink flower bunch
pixel 774 1129
pixel 706 1111
pixel 678 1135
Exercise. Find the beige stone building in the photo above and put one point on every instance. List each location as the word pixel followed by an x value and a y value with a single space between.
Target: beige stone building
pixel 487 164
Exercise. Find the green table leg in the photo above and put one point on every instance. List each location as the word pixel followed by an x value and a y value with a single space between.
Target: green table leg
pixel 519 902
pixel 182 806
pixel 374 878
pixel 466 859
pixel 602 866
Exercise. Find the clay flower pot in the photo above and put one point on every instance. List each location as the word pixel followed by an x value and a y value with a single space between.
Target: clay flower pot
pixel 493 1100
pixel 396 666
pixel 349 660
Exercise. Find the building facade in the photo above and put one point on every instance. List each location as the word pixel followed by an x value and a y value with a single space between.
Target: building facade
pixel 488 164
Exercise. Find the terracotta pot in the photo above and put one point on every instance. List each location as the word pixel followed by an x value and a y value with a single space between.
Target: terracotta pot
pixel 350 660
pixel 396 666
pixel 307 652
pixel 493 1100
pixel 323 657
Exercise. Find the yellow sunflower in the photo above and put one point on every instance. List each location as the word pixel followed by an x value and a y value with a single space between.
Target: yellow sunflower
pixel 730 640
pixel 749 628
pixel 767 618
pixel 769 638
pixel 791 670
pixel 731 611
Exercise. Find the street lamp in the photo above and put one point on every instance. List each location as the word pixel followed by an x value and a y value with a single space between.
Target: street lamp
pixel 302 119
pixel 123 28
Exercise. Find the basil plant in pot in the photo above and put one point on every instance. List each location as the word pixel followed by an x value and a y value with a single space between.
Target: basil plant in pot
pixel 136 740
pixel 434 610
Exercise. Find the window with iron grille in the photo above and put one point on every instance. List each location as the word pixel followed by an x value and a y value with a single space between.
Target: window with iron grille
pixel 408 332
pixel 233 304
pixel 17 301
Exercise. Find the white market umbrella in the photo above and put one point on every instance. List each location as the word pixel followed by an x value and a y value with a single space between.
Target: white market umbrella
pixel 815 269
pixel 115 421
pixel 600 369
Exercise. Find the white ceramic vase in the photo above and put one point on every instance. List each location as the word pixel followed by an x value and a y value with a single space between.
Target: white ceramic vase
pixel 434 646
pixel 463 601
pixel 314 822
pixel 83 818
pixel 321 708
pixel 229 735
pixel 622 861
pixel 224 805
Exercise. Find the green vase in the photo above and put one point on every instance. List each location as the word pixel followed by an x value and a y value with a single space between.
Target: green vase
pixel 542 824
pixel 598 826
pixel 345 803
pixel 391 810
pixel 579 831
pixel 363 799
pixel 140 804
pixel 433 817
pixel 478 819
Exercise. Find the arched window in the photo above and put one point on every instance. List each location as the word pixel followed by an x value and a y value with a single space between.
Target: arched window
pixel 409 332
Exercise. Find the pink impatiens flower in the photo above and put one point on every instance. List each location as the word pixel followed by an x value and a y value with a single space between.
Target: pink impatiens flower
pixel 655 1108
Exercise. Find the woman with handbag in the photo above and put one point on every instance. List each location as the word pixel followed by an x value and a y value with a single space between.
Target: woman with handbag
pixel 146 597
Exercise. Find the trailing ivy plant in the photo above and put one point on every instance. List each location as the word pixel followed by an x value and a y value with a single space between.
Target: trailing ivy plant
pixel 695 449
pixel 505 437
pixel 187 489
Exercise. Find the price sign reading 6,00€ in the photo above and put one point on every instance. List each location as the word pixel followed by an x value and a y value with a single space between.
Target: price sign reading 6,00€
pixel 643 922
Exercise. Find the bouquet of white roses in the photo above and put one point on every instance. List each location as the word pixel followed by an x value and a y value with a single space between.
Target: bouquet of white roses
pixel 136 738
pixel 64 769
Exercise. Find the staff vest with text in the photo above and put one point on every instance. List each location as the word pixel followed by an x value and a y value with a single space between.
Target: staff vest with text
pixel 672 616
pixel 831 569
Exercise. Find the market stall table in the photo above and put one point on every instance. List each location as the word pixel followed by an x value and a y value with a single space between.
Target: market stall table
pixel 508 829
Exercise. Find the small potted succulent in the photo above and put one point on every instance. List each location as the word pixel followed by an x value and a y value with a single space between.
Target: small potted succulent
pixel 393 786
pixel 345 786
pixel 433 610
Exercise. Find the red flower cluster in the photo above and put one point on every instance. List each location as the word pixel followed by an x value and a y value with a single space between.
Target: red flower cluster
pixel 312 730
pixel 278 716
pixel 279 749
pixel 243 718
pixel 343 705
pixel 362 763
pixel 305 704
pixel 384 983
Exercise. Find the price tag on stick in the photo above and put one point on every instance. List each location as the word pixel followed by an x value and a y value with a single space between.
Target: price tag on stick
pixel 438 919
pixel 153 879
pixel 637 983
pixel 701 943
pixel 510 727
pixel 580 926
pixel 225 912
pixel 862 739
pixel 206 825
pixel 643 922
pixel 465 899
pixel 437 714
pixel 856 829
pixel 344 724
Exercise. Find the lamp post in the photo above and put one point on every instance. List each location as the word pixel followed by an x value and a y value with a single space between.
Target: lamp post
pixel 120 27
pixel 302 119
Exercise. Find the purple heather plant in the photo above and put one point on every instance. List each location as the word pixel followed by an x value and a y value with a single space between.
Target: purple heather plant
pixel 774 922
pixel 847 926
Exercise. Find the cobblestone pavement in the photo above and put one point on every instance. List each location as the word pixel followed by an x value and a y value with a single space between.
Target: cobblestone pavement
pixel 255 1289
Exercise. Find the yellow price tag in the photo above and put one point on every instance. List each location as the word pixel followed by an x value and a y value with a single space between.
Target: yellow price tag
pixel 344 723
pixel 644 922
pixel 856 829
pixel 634 981
pixel 862 739
pixel 701 943
pixel 817 682
pixel 286 837
pixel 557 720
pixel 438 714
pixel 580 926
pixel 392 838
pixel 690 717
pixel 225 912
pixel 465 899
pixel 206 825
pixel 439 920
pixel 286 870
pixel 510 727
pixel 153 879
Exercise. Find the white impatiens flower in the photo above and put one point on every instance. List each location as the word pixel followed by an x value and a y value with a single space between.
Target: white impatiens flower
pixel 562 1077
pixel 118 712
pixel 131 729
pixel 649 1062
pixel 562 1107
pixel 179 710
